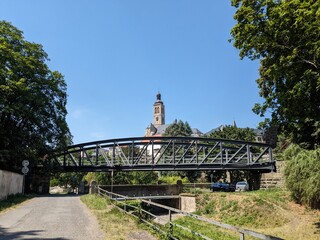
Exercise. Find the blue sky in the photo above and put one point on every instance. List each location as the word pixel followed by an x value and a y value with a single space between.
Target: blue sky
pixel 117 54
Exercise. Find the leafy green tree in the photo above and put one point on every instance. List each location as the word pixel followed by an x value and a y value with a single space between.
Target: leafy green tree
pixel 32 101
pixel 234 133
pixel 69 179
pixel 178 129
pixel 243 134
pixel 102 178
pixel 284 36
pixel 119 177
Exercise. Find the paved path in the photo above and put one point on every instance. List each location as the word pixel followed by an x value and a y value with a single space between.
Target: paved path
pixel 51 217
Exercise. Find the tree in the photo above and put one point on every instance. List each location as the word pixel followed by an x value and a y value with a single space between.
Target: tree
pixel 68 179
pixel 178 129
pixel 32 101
pixel 234 133
pixel 243 134
pixel 284 36
pixel 119 177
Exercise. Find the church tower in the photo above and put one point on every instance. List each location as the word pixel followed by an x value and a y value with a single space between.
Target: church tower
pixel 158 112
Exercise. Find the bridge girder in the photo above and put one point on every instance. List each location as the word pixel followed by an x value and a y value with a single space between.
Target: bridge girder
pixel 165 154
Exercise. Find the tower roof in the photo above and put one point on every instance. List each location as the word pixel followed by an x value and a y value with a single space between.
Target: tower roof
pixel 158 99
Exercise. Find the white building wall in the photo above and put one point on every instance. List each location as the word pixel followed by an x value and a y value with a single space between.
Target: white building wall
pixel 10 183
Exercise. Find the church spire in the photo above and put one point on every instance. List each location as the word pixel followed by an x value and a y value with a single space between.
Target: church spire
pixel 158 97
pixel 158 111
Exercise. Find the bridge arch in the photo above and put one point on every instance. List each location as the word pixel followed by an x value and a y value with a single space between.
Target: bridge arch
pixel 165 153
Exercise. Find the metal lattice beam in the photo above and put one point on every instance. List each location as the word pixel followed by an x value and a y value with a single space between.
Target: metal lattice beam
pixel 166 153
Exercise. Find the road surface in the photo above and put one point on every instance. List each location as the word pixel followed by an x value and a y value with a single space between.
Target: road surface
pixel 50 217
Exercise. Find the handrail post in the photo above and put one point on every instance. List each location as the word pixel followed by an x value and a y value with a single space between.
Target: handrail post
pixel 241 236
pixel 140 211
pixel 270 154
pixel 170 224
pixel 221 152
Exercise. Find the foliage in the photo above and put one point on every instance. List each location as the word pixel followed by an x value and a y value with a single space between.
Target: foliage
pixel 115 224
pixel 234 133
pixel 257 209
pixel 203 228
pixel 13 200
pixel 172 179
pixel 283 142
pixel 136 177
pixel 67 179
pixel 101 178
pixel 302 174
pixel 270 130
pixel 217 175
pixel 95 202
pixel 54 182
pixel 132 177
pixel 284 36
pixel 178 129
pixel 32 101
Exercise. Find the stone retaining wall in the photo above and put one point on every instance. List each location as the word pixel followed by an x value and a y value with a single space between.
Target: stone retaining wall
pixel 274 179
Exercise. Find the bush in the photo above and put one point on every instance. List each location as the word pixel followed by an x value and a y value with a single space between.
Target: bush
pixel 173 179
pixel 302 175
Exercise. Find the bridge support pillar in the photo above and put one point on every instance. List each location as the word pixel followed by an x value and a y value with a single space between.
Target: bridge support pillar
pixel 93 187
pixel 254 180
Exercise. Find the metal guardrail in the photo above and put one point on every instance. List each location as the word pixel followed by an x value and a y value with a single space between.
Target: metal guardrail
pixel 138 213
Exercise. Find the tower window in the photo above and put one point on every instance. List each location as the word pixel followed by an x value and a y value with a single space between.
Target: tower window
pixel 156 110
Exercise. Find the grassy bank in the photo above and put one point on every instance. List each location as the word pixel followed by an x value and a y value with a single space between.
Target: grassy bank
pixel 116 224
pixel 13 201
pixel 267 211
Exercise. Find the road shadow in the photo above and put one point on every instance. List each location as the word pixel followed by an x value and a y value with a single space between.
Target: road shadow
pixel 60 195
pixel 28 235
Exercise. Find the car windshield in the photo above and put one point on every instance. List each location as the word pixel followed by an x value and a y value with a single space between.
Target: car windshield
pixel 242 183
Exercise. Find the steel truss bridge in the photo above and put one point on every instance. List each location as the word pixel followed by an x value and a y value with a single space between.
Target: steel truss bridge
pixel 165 153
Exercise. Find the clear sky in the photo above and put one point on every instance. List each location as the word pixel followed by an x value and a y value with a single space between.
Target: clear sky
pixel 117 54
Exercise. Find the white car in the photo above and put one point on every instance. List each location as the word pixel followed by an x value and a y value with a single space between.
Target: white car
pixel 242 186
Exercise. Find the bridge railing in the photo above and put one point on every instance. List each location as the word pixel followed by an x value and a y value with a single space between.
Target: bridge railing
pixel 166 153
pixel 145 216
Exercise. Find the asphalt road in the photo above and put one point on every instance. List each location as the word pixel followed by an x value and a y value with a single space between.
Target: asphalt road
pixel 50 217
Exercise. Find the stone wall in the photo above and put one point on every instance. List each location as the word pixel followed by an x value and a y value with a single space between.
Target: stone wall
pixel 274 179
pixel 144 190
pixel 10 183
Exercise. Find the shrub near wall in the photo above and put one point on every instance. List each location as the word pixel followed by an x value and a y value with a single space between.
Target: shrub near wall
pixel 302 175
pixel 10 183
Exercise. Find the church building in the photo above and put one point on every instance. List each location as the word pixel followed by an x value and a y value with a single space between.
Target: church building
pixel 158 127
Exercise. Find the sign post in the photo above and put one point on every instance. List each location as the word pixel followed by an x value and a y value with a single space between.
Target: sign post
pixel 24 170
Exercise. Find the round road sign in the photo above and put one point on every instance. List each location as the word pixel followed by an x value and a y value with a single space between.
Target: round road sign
pixel 25 170
pixel 25 163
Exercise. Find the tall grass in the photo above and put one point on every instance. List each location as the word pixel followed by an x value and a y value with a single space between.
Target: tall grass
pixel 302 175
pixel 13 200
